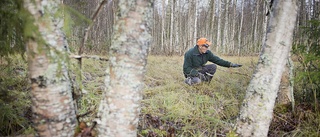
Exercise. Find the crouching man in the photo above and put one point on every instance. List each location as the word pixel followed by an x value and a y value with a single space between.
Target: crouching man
pixel 194 67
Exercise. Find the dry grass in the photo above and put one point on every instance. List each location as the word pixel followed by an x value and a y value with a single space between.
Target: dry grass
pixel 169 107
pixel 172 107
pixel 203 110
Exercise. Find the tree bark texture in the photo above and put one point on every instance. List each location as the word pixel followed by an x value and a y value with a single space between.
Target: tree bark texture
pixel 257 108
pixel 240 28
pixel 53 108
pixel 219 25
pixel 285 94
pixel 234 20
pixel 120 107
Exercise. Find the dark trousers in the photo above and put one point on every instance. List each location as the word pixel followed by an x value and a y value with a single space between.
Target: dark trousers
pixel 207 71
pixel 211 69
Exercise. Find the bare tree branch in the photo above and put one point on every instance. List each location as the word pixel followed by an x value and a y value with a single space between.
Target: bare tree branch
pixel 96 57
pixel 86 31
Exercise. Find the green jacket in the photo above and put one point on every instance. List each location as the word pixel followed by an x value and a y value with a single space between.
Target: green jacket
pixel 193 61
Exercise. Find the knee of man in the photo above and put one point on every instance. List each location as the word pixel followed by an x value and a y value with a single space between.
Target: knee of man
pixel 212 69
pixel 213 66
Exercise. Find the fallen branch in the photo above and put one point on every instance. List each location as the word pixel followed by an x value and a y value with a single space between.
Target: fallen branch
pixel 86 31
pixel 235 72
pixel 96 57
pixel 82 115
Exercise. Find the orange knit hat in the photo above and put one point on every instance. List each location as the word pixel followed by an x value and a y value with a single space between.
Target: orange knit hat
pixel 203 41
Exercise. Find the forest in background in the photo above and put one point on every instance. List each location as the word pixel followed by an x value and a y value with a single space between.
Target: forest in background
pixel 241 26
pixel 235 27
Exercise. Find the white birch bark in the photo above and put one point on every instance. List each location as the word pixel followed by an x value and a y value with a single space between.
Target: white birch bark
pixel 163 29
pixel 265 24
pixel 53 109
pixel 284 95
pixel 291 79
pixel 192 23
pixel 177 30
pixel 255 34
pixel 240 28
pixel 120 107
pixel 226 27
pixel 212 17
pixel 171 26
pixel 194 37
pixel 257 108
pixel 219 25
pixel 234 20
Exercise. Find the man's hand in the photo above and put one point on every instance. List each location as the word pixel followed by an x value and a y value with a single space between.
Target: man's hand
pixel 235 65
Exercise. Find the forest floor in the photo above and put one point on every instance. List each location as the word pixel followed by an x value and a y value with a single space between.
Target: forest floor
pixel 172 108
pixel 169 106
pixel 209 109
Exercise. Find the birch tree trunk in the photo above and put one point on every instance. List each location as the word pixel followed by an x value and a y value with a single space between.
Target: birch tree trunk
pixel 172 13
pixel 53 108
pixel 285 93
pixel 257 108
pixel 212 17
pixel 219 25
pixel 234 20
pixel 240 28
pixel 194 37
pixel 265 25
pixel 176 28
pixel 255 34
pixel 226 27
pixel 163 30
pixel 120 107
pixel 192 20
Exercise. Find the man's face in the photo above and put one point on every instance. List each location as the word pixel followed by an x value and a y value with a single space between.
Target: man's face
pixel 203 49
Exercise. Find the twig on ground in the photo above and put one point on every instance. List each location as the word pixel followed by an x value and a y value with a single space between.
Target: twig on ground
pixel 235 72
pixel 82 115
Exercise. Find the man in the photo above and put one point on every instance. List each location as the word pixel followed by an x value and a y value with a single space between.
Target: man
pixel 194 68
